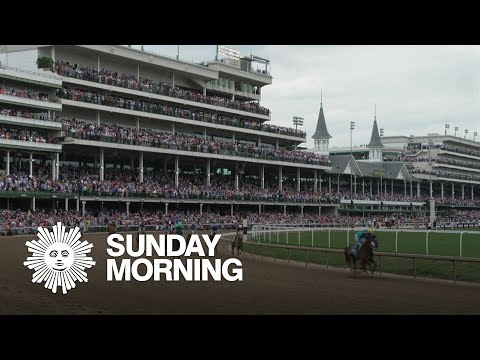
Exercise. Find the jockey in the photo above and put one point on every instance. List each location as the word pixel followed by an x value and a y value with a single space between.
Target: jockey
pixel 360 238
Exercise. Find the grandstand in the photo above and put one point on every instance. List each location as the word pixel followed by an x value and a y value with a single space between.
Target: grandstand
pixel 116 131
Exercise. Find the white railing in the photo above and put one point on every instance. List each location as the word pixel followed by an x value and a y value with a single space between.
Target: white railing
pixel 271 234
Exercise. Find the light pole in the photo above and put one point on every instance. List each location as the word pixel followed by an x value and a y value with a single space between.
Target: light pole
pixel 178 52
pixel 297 121
pixel 447 126
pixel 430 143
pixel 352 127
pixel 432 205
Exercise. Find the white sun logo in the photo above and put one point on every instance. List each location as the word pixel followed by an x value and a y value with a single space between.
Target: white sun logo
pixel 59 258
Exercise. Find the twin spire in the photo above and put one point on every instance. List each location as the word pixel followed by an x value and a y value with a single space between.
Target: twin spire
pixel 321 131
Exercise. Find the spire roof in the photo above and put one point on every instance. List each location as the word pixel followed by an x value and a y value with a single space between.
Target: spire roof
pixel 321 132
pixel 375 140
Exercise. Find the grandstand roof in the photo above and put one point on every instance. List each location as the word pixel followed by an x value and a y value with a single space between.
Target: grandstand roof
pixel 340 164
pixel 388 170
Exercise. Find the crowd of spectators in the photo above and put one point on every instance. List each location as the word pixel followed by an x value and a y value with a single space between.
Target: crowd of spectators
pixel 23 135
pixel 446 174
pixel 171 110
pixel 130 81
pixel 23 114
pixel 451 148
pixel 26 94
pixel 160 139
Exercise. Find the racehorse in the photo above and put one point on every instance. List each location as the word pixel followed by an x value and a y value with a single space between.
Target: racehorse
pixel 237 243
pixel 111 228
pixel 364 255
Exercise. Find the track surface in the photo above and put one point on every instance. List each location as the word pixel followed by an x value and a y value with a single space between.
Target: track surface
pixel 268 288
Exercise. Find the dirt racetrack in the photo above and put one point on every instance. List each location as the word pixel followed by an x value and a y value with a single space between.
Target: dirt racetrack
pixel 268 288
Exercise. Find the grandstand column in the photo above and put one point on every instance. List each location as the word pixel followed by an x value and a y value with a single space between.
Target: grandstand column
pixel 378 187
pixel 166 209
pixel 411 188
pixel 453 191
pixel 319 211
pixel 262 176
pixel 298 179
pixel 392 187
pixel 138 123
pixel 472 191
pixel 338 184
pixel 441 190
pixel 208 172
pixel 204 91
pixel 8 163
pixel 53 53
pixel 363 187
pixel 128 208
pixel 33 204
pixel 173 128
pixel 284 209
pixel 385 193
pixel 30 168
pixel 204 133
pixel 280 178
pixel 177 171
pixel 231 209
pixel 405 187
pixel 98 117
pixel 371 191
pixel 315 181
pixel 236 179
pixel 49 115
pixel 138 72
pixel 66 204
pixel 78 204
pixel 57 165
pixel 98 63
pixel 301 210
pixel 233 97
pixel 276 144
pixel 173 79
pixel 102 164
pixel 259 141
pixel 140 167
pixel 355 184
pixel 259 209
pixel 418 190
pixel 329 184
pixel 83 208
pixel 463 191
pixel 201 209
pixel 52 156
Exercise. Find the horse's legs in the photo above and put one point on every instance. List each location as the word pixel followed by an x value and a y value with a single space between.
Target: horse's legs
pixel 372 264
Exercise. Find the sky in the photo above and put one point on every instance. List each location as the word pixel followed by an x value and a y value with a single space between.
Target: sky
pixel 416 89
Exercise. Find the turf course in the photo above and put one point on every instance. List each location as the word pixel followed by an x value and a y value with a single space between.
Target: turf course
pixel 439 243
